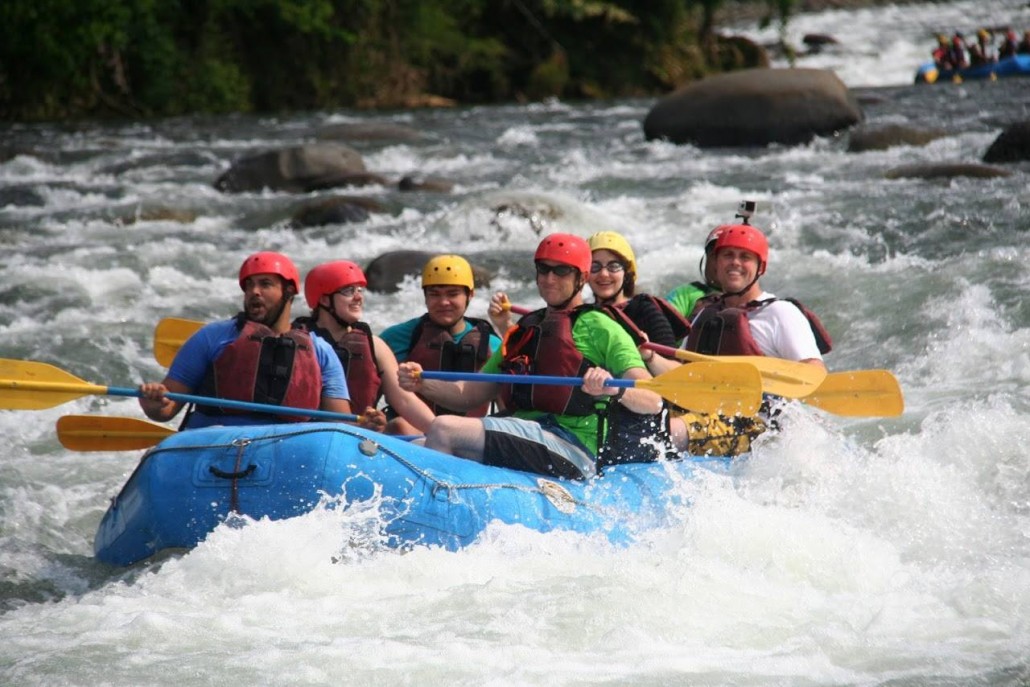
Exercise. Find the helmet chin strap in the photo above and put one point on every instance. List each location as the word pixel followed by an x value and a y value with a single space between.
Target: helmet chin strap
pixel 747 288
pixel 274 315
pixel 339 320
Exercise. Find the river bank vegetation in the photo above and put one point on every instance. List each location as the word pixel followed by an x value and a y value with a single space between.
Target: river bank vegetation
pixel 69 59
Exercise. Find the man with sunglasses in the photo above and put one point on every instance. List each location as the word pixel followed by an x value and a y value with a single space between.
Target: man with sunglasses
pixel 444 337
pixel 552 430
pixel 254 357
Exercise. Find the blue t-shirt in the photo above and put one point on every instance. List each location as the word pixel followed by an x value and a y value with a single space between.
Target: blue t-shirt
pixel 398 337
pixel 201 350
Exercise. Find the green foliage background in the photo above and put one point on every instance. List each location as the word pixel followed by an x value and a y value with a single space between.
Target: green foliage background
pixel 67 59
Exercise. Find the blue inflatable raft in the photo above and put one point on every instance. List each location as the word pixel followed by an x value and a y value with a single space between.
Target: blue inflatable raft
pixel 193 481
pixel 1017 65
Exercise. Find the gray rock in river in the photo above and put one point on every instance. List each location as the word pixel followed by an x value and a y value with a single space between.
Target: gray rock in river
pixel 862 139
pixel 298 169
pixel 755 107
pixel 386 272
pixel 335 210
pixel 946 170
pixel 1012 144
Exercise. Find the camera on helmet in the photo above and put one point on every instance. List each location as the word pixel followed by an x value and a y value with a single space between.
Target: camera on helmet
pixel 746 209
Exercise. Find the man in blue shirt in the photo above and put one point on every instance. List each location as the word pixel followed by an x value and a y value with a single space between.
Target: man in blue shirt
pixel 254 357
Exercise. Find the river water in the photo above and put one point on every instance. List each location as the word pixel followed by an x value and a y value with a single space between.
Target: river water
pixel 846 551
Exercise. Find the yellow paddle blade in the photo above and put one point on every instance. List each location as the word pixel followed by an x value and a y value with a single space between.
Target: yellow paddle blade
pixel 727 388
pixel 780 377
pixel 860 393
pixel 26 385
pixel 169 336
pixel 98 433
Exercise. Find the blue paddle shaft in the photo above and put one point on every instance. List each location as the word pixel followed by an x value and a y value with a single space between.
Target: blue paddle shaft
pixel 240 405
pixel 518 379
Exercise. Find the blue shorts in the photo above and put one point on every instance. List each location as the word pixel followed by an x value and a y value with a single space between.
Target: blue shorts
pixel 528 445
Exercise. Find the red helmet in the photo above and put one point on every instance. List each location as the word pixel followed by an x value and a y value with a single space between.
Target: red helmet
pixel 267 262
pixel 565 249
pixel 713 235
pixel 746 237
pixel 329 277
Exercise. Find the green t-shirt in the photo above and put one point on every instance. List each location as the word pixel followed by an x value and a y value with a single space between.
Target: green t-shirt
pixel 603 342
pixel 685 297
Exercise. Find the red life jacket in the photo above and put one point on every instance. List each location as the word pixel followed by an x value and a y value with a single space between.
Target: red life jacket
pixel 434 348
pixel 541 344
pixel 722 330
pixel 356 351
pixel 261 366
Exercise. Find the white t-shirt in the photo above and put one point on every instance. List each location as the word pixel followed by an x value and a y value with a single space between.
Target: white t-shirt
pixel 781 330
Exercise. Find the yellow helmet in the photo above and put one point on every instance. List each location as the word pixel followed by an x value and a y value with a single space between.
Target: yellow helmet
pixel 448 270
pixel 613 241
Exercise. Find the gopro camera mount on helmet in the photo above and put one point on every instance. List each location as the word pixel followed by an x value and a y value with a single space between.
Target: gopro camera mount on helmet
pixel 745 210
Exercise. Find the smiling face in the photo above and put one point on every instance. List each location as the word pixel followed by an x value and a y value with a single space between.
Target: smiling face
pixel 446 305
pixel 736 269
pixel 557 283
pixel 606 283
pixel 348 303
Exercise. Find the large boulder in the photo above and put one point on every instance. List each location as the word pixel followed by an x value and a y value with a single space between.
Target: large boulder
pixel 386 272
pixel 1012 144
pixel 755 107
pixel 296 170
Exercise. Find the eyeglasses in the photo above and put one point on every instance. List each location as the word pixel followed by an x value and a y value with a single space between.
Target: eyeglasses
pixel 349 291
pixel 613 267
pixel 542 270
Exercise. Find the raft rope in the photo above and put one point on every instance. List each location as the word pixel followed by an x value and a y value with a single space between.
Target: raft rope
pixel 545 488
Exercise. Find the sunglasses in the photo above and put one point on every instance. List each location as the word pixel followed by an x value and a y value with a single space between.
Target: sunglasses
pixel 349 291
pixel 543 270
pixel 613 267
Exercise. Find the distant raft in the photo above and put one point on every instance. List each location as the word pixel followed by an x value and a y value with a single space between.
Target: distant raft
pixel 1017 65
pixel 193 481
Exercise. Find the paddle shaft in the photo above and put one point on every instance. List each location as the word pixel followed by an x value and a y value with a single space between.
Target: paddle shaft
pixel 96 389
pixel 100 433
pixel 246 405
pixel 520 379
pixel 704 387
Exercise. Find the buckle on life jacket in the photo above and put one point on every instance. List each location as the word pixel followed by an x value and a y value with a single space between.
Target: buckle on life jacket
pixel 519 365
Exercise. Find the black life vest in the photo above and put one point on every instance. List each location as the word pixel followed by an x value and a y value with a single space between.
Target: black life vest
pixel 434 348
pixel 632 315
pixel 356 351
pixel 541 344
pixel 261 366
pixel 722 330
